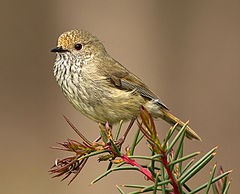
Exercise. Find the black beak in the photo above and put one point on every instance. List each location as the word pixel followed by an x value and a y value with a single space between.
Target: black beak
pixel 58 49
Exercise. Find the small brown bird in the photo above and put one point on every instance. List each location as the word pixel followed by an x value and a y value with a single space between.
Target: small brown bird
pixel 99 86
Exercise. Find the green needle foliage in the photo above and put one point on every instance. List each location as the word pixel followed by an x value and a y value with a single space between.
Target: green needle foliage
pixel 167 168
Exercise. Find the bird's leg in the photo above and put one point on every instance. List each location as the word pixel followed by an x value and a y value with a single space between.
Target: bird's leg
pixel 122 139
pixel 106 125
pixel 128 129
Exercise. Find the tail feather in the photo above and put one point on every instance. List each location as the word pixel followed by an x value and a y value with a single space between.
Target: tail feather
pixel 173 120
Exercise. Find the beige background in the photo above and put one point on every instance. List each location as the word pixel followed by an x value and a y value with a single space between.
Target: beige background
pixel 186 51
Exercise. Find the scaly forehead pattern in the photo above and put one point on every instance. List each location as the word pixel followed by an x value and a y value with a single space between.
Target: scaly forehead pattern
pixel 75 36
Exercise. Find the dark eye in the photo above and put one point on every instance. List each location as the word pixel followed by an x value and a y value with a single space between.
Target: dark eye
pixel 78 46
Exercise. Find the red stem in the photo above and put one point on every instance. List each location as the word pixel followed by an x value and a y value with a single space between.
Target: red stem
pixel 134 163
pixel 165 163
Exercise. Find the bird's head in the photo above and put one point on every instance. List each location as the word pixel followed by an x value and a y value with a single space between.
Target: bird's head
pixel 79 43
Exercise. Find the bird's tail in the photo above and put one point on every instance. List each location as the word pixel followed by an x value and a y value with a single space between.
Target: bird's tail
pixel 173 120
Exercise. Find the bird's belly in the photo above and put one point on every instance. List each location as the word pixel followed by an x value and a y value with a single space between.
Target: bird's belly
pixel 119 105
pixel 102 104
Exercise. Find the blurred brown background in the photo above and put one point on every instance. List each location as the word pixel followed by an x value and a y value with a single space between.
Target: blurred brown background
pixel 188 52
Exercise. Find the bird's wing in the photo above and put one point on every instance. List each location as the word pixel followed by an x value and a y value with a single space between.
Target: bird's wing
pixel 122 79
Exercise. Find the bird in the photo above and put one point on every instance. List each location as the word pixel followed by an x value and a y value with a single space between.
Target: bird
pixel 100 87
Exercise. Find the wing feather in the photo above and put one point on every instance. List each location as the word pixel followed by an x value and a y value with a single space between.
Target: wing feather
pixel 122 79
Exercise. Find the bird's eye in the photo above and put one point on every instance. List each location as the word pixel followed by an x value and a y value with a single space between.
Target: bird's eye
pixel 78 46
